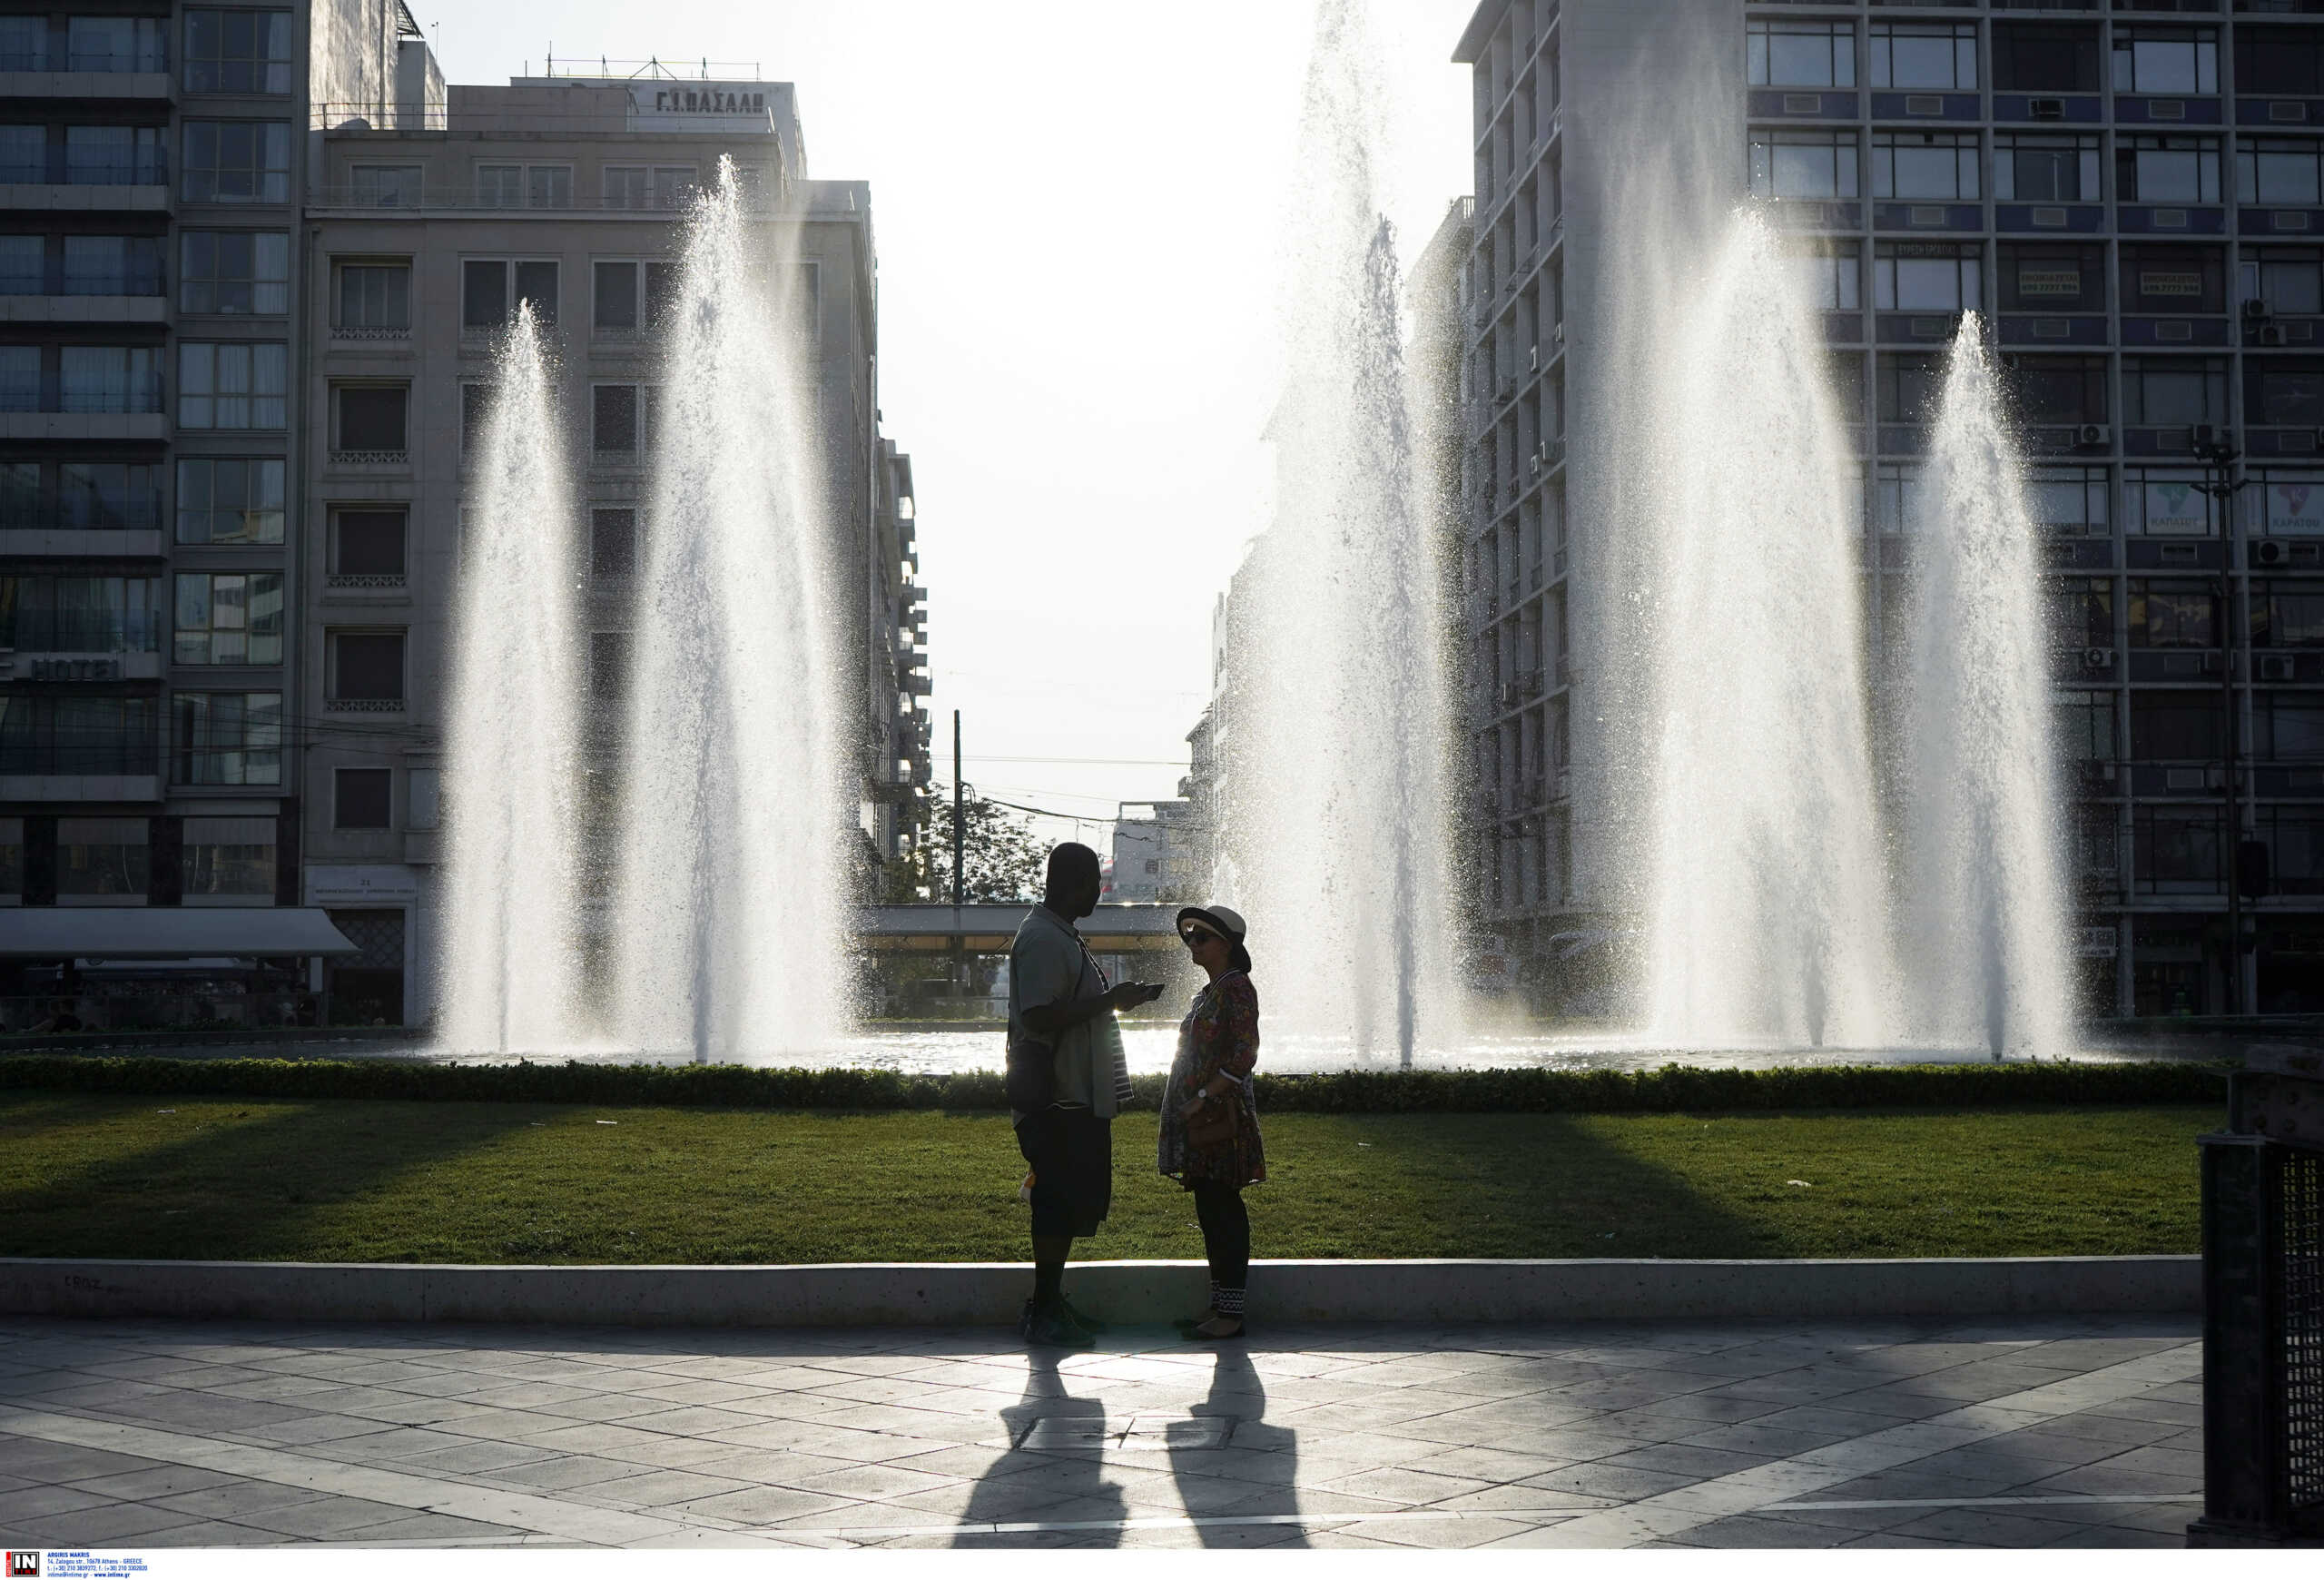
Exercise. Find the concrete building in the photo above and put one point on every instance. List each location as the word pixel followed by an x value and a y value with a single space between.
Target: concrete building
pixel 2133 195
pixel 153 159
pixel 422 240
pixel 1158 853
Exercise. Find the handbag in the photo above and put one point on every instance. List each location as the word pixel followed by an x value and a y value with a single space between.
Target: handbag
pixel 1211 1123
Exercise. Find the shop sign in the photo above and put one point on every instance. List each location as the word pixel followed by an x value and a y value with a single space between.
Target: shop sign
pixel 2295 508
pixel 2171 282
pixel 2049 282
pixel 695 107
pixel 2175 509
pixel 380 885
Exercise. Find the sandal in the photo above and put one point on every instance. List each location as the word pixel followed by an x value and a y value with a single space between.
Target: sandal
pixel 1188 1324
pixel 1216 1329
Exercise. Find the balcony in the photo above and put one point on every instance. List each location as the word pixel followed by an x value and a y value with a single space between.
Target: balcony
pixel 46 406
pixel 60 182
pixel 58 296
pixel 81 82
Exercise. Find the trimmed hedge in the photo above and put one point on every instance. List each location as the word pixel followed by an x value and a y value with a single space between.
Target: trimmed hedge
pixel 1669 1089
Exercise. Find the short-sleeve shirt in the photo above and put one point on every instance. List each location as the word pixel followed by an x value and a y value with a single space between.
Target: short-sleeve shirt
pixel 1048 966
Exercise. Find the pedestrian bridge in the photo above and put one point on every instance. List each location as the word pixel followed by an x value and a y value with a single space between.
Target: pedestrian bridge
pixel 982 929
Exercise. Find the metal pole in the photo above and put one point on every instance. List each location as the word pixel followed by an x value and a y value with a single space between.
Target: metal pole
pixel 2222 490
pixel 959 833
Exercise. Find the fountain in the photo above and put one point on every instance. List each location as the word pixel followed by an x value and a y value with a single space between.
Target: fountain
pixel 1337 787
pixel 508 964
pixel 729 911
pixel 1985 922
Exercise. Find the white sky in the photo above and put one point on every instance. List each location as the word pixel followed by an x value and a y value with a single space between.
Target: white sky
pixel 1075 208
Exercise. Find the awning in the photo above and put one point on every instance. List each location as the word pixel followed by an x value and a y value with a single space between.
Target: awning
pixel 164 933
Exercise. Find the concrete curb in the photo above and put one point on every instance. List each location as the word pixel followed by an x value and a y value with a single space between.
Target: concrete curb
pixel 975 1294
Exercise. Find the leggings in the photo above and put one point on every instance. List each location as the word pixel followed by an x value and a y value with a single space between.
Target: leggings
pixel 1226 1240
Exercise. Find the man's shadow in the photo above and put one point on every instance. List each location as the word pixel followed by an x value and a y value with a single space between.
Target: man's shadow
pixel 1238 1393
pixel 1054 1470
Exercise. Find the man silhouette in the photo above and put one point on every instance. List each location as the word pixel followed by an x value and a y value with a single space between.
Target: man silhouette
pixel 1059 998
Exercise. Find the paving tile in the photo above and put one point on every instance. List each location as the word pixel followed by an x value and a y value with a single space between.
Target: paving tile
pixel 435 1528
pixel 2120 1536
pixel 210 1534
pixel 36 1460
pixel 477 1457
pixel 1987 1527
pixel 1609 1481
pixel 35 1501
pixel 1700 1463
pixel 761 1505
pixel 563 1472
pixel 1766 1531
pixel 107 1527
pixel 324 1517
pixel 159 1482
pixel 1489 1465
pixel 233 1500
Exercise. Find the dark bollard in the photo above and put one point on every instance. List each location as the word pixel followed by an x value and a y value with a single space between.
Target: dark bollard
pixel 2263 1308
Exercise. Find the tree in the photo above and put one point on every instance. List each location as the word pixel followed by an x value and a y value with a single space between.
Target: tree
pixel 1004 860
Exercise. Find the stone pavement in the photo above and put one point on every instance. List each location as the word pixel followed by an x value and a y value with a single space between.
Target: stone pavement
pixel 1988 1432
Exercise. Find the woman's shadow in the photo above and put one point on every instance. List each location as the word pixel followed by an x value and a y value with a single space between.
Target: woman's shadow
pixel 1256 1456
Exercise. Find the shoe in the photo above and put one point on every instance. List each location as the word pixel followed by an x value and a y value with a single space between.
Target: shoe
pixel 1080 1318
pixel 1218 1328
pixel 1024 1319
pixel 1054 1326
pixel 1188 1324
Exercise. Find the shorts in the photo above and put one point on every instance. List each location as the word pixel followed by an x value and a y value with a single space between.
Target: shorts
pixel 1071 1150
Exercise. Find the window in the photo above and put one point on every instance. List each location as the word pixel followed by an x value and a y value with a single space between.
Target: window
pixel 112 266
pixel 1788 163
pixel 2295 840
pixel 2166 60
pixel 2283 392
pixel 2289 280
pixel 476 405
pixel 232 384
pixel 613 542
pixel 12 838
pixel 116 43
pixel 240 271
pixel 2166 504
pixel 108 497
pixel 2288 726
pixel 2058 391
pixel 614 419
pixel 2173 613
pixel 1897 496
pixel 1909 385
pixel 1924 164
pixel 2046 58
pixel 2171 279
pixel 2285 503
pixel 609 660
pixel 119 378
pixel 1800 54
pixel 375 297
pixel 20 378
pixel 1926 276
pixel 2272 61
pixel 237 161
pixel 2279 170
pixel 103 857
pixel 2173 392
pixel 386 186
pixel 2069 500
pixel 23 44
pixel 2176 848
pixel 486 301
pixel 367 666
pixel 520 186
pixel 81 613
pixel 20 494
pixel 228 738
pixel 237 52
pixel 2085 724
pixel 367 544
pixel 361 798
pixel 2032 167
pixel 372 418
pixel 229 618
pixel 618 307
pixel 1930 55
pixel 24 265
pixel 228 858
pixel 114 155
pixel 76 735
pixel 640 187
pixel 2174 726
pixel 1830 271
pixel 2081 612
pixel 2166 170
pixel 2287 614
pixel 236 500
pixel 2053 277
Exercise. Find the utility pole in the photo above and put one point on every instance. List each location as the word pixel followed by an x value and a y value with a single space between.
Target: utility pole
pixel 2219 455
pixel 960 842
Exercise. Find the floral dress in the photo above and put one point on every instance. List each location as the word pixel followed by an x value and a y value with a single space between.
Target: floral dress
pixel 1219 1034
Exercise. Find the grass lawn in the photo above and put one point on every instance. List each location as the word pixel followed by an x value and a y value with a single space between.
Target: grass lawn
pixel 346 1180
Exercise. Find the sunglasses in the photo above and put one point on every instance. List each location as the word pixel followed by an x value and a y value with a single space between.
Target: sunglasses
pixel 1194 935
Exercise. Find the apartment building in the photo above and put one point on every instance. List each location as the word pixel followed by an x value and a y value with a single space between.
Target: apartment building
pixel 153 157
pixel 568 193
pixel 2135 195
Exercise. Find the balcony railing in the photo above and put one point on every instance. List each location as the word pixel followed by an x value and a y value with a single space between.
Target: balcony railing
pixel 155 59
pixel 59 168
pixel 49 392
pixel 55 280
pixel 468 198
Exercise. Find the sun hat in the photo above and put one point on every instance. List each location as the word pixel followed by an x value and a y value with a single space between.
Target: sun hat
pixel 1226 923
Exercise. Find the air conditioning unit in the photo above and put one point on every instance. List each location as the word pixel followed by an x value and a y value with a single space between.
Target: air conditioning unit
pixel 2255 309
pixel 2045 109
pixel 2273 334
pixel 2093 436
pixel 2096 658
pixel 2204 436
pixel 2269 551
pixel 2276 667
